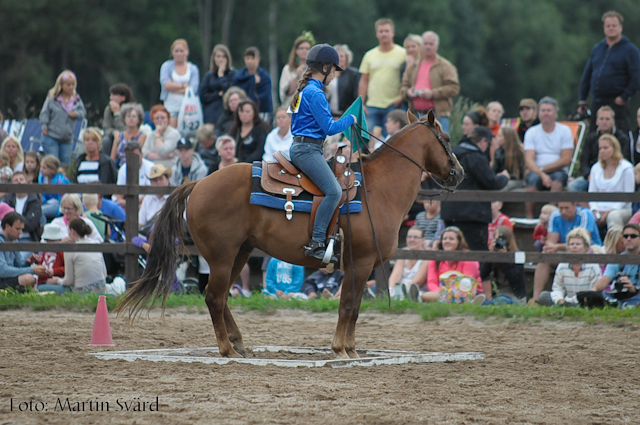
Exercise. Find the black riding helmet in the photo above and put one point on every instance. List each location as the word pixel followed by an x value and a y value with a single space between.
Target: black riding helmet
pixel 323 54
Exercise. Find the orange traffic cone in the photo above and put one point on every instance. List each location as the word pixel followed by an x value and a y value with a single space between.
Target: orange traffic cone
pixel 101 329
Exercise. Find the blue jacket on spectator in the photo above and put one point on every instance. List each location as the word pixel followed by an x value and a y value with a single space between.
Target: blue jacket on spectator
pixel 611 71
pixel 11 263
pixel 260 92
pixel 114 210
pixel 165 74
pixel 284 277
pixel 57 179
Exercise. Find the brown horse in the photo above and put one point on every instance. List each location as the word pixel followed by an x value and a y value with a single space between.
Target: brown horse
pixel 226 228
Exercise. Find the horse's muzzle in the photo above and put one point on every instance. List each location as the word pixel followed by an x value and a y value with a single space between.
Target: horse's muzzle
pixel 456 175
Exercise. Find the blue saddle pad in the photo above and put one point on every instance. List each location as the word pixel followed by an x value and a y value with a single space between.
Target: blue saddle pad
pixel 302 202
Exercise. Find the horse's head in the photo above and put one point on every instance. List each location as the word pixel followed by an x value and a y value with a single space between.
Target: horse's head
pixel 439 159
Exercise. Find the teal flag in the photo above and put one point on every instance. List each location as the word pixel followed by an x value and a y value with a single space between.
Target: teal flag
pixel 357 110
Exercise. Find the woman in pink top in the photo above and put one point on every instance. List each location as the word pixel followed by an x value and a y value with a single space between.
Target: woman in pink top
pixel 451 239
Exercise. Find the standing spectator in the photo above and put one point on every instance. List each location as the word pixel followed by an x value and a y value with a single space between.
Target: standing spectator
pixel 629 294
pixel 226 146
pixel 283 280
pixel 230 101
pixel 612 73
pixel 29 206
pixel 250 131
pixel 189 167
pixel 380 76
pixel 133 118
pixel 50 174
pixel 294 69
pixel 324 283
pixel 161 149
pixel 215 83
pixel 430 222
pixel 472 218
pixel 509 156
pixel 571 278
pixel 528 116
pixel 548 148
pixel 94 166
pixel 71 208
pixel 508 277
pixel 175 76
pixel 151 203
pixel 206 146
pixel 343 90
pixel 256 82
pixel 413 46
pixel 62 107
pixel 431 82
pixel 498 219
pixel 14 271
pixel 612 173
pixel 474 119
pixel 112 119
pixel 408 275
pixel 31 166
pixel 280 138
pixel 605 122
pixel 145 171
pixel 13 148
pixel 495 111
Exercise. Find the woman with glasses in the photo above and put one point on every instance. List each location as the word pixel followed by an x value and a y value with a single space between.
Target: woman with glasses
pixel 408 275
pixel 71 208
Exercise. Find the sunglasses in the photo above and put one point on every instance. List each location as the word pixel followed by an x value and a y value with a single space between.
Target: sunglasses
pixel 630 236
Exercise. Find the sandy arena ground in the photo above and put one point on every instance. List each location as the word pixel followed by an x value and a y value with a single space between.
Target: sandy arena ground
pixel 547 372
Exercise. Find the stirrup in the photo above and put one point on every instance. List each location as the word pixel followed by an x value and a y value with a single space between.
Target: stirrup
pixel 318 250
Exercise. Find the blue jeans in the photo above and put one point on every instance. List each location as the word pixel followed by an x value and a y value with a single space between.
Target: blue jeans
pixel 59 149
pixel 376 117
pixel 630 302
pixel 58 289
pixel 532 179
pixel 578 185
pixel 308 158
pixel 51 208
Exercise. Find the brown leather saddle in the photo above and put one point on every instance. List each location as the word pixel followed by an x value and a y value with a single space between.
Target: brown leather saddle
pixel 283 178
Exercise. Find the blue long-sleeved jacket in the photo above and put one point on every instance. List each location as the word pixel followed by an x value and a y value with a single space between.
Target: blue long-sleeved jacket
pixel 10 263
pixel 284 277
pixel 260 92
pixel 312 118
pixel 611 71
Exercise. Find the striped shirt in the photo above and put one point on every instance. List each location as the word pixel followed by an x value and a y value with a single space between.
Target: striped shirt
pixel 566 284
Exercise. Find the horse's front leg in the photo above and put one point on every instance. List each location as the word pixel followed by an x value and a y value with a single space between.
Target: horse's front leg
pixel 344 343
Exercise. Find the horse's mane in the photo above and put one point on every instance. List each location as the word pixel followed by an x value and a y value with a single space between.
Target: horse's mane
pixel 373 155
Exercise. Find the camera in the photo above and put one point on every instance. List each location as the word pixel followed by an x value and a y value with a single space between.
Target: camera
pixel 618 286
pixel 501 243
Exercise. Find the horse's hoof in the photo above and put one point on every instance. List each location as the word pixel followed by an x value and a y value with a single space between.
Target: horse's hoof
pixel 232 354
pixel 342 355
pixel 241 351
pixel 352 354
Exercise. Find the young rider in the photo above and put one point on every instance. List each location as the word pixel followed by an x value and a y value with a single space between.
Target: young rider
pixel 311 123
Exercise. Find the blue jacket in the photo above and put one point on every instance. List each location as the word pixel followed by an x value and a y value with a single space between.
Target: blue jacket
pixel 312 116
pixel 165 74
pixel 11 264
pixel 260 92
pixel 284 277
pixel 57 179
pixel 611 71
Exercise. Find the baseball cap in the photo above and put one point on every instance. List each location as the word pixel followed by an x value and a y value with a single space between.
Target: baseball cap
pixel 528 103
pixel 184 143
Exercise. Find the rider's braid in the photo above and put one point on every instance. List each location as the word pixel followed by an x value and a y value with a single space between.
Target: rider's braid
pixel 302 83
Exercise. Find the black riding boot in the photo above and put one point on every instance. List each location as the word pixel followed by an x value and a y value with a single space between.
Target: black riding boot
pixel 317 250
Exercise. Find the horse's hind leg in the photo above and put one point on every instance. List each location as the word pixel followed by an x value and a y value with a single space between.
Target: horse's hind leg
pixel 216 299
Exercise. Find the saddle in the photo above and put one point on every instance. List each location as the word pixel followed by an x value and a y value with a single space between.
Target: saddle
pixel 283 178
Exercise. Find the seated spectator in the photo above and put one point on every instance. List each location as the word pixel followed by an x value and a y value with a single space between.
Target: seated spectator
pixel 161 149
pixel 249 131
pixel 206 146
pixel 498 219
pixel 293 70
pixel 145 170
pixel 612 173
pixel 528 116
pixel 133 118
pixel 590 147
pixel 15 273
pixel 91 201
pixel 71 208
pixel 569 279
pixel 5 170
pixel 215 83
pixel 345 83
pixel 32 166
pixel 176 75
pixel 613 241
pixel 408 275
pixel 84 272
pixel 430 222
pixel 283 280
pixel 226 147
pixel 540 231
pixel 112 119
pixel 508 277
pixel 29 206
pixel 395 121
pixel 548 148
pixel 280 138
pixel 13 148
pixel 51 173
pixel 189 167
pixel 625 278
pixel 53 261
pixel 450 240
pixel 230 101
pixel 93 166
pixel 476 118
pixel 509 156
pixel 256 83
pixel 495 111
pixel 323 283
pixel 151 204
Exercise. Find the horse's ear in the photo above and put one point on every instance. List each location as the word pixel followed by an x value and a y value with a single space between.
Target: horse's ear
pixel 431 118
pixel 412 118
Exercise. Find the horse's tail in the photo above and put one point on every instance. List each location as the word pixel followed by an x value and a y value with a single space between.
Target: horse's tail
pixel 159 274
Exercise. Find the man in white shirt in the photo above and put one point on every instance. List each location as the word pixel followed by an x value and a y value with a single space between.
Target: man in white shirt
pixel 548 148
pixel 151 204
pixel 145 170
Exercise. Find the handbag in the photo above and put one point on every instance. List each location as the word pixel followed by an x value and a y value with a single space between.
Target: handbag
pixel 190 116
pixel 457 288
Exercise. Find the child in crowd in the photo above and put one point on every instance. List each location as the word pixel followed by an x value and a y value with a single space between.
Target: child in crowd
pixel 5 170
pixel 53 261
pixel 540 231
pixel 497 219
pixel 430 222
pixel 324 283
pixel 206 146
pixel 32 166
pixel 396 120
pixel 283 280
pixel 90 201
pixel 50 173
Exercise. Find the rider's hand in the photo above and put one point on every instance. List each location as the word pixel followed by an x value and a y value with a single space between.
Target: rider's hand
pixel 355 120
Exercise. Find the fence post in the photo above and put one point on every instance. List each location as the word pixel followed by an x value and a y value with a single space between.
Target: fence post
pixel 131 223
